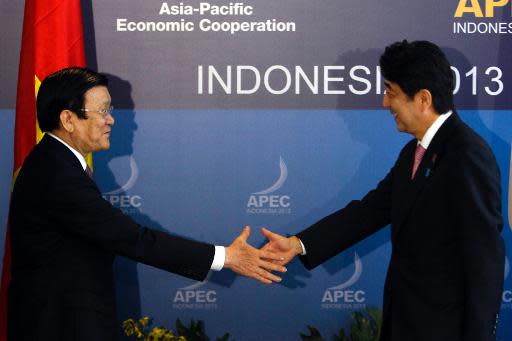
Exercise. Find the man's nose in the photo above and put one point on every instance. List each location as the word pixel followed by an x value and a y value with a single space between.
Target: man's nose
pixel 110 119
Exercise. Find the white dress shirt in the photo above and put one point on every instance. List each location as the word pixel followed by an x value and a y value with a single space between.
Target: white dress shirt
pixel 432 130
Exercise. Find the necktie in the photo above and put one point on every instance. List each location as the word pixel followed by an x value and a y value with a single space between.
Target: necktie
pixel 89 171
pixel 418 155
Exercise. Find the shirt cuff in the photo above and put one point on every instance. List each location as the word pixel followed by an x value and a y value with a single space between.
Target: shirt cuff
pixel 303 253
pixel 218 258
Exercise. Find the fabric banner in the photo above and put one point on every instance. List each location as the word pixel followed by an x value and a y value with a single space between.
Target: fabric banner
pixel 52 39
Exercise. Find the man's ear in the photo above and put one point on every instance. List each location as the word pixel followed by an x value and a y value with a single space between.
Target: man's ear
pixel 67 119
pixel 425 99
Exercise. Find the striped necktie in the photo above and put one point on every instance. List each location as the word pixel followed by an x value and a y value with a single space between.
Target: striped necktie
pixel 418 155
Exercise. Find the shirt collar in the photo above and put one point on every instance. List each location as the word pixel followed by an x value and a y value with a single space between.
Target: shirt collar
pixel 432 130
pixel 79 156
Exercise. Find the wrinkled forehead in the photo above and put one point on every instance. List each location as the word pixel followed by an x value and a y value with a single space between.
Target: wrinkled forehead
pixel 98 95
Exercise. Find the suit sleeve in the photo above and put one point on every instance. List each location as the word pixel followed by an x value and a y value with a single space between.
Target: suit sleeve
pixel 349 225
pixel 477 208
pixel 78 208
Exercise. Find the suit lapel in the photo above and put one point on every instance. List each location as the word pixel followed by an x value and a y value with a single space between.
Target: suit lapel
pixel 426 169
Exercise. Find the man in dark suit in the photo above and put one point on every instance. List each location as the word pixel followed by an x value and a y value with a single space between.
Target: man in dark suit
pixel 443 201
pixel 64 235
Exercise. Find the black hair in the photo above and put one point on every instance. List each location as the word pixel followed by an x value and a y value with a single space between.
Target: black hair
pixel 65 89
pixel 420 65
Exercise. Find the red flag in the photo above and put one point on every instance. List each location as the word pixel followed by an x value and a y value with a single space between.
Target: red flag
pixel 52 40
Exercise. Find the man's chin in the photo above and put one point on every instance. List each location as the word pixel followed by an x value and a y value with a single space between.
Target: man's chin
pixel 399 126
pixel 105 146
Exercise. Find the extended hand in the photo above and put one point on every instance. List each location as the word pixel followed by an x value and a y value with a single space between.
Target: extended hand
pixel 286 248
pixel 246 260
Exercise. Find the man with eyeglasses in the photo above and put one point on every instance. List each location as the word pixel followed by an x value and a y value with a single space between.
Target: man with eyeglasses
pixel 64 235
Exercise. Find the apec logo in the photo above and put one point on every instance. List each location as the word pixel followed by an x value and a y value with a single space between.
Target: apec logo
pixel 342 296
pixel 476 10
pixel 119 198
pixel 265 202
pixel 193 297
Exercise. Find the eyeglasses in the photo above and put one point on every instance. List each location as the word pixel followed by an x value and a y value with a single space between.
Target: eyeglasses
pixel 103 112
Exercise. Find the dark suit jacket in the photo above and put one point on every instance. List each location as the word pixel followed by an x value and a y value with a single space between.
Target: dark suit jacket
pixel 445 277
pixel 64 237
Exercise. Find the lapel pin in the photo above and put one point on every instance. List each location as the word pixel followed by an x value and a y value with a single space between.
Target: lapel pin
pixel 428 171
pixel 434 158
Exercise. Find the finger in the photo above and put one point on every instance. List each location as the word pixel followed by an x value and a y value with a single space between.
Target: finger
pixel 261 279
pixel 274 237
pixel 268 275
pixel 245 234
pixel 258 274
pixel 275 248
pixel 270 255
pixel 272 266
pixel 279 262
pixel 269 234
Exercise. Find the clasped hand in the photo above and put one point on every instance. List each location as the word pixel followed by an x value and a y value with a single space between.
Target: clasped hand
pixel 248 261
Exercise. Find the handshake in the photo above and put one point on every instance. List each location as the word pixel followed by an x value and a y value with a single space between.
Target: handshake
pixel 248 261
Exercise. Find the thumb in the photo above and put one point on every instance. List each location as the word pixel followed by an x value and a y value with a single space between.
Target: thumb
pixel 245 234
pixel 269 234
